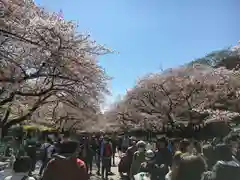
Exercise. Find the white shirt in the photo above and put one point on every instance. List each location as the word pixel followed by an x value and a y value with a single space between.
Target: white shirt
pixel 18 176
pixel 49 149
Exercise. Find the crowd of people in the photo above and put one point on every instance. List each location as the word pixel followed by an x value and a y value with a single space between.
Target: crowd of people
pixel 61 156
pixel 166 159
pixel 183 159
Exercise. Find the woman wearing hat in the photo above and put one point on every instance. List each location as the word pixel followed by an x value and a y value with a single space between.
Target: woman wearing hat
pixel 154 171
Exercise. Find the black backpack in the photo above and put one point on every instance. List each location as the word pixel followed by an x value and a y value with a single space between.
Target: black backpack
pixel 31 150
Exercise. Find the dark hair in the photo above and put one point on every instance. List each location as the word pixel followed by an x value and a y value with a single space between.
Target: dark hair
pixel 191 167
pixel 184 144
pixel 68 147
pixel 209 154
pixel 223 152
pixel 163 140
pixel 22 164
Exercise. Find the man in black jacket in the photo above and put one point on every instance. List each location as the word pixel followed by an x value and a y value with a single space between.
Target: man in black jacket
pixel 163 155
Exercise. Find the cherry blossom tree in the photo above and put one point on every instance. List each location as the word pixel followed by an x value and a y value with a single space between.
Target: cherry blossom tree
pixel 62 116
pixel 44 59
pixel 228 58
pixel 177 95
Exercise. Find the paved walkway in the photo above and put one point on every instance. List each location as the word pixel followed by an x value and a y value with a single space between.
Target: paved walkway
pixel 114 170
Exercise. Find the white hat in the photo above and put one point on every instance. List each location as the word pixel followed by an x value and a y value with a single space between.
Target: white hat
pixel 141 144
pixel 149 154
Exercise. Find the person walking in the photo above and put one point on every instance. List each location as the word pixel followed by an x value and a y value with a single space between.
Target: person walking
pixel 46 154
pixel 106 155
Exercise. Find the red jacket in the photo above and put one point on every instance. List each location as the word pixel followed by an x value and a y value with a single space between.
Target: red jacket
pixel 63 169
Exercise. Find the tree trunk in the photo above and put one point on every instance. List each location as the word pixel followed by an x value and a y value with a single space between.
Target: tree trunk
pixel 1 133
pixel 4 131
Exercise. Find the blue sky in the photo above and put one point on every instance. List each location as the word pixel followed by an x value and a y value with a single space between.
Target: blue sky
pixel 150 34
